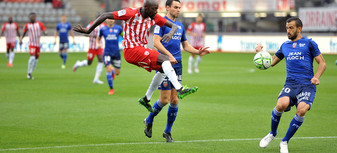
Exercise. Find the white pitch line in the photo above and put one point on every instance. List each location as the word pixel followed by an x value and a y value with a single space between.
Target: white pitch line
pixel 139 143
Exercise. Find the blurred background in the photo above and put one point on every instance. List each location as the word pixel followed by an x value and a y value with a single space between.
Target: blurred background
pixel 222 17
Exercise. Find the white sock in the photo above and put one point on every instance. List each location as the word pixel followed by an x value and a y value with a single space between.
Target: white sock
pixel 83 63
pixel 31 63
pixel 190 62
pixel 99 69
pixel 7 55
pixel 34 64
pixel 157 79
pixel 171 74
pixel 11 57
pixel 197 61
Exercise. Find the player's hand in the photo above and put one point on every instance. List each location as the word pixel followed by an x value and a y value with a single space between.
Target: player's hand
pixel 166 38
pixel 172 60
pixel 80 29
pixel 204 51
pixel 258 48
pixel 314 81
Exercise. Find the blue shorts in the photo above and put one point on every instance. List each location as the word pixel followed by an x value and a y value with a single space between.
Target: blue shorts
pixel 166 84
pixel 64 45
pixel 299 93
pixel 113 59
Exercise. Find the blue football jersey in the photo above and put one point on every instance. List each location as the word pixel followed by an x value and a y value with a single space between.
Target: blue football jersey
pixel 174 44
pixel 63 30
pixel 299 56
pixel 111 36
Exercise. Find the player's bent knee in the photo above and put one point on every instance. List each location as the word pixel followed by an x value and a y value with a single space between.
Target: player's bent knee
pixel 174 101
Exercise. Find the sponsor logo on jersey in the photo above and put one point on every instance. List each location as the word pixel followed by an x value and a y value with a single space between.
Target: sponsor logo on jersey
pixel 121 12
pixel 301 45
pixel 111 37
pixel 295 56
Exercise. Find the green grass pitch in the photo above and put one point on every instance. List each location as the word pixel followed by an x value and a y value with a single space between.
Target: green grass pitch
pixel 63 111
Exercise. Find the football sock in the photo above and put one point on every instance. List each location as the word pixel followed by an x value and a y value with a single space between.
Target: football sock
pixel 11 57
pixel 171 74
pixel 197 61
pixel 190 62
pixel 65 56
pixel 109 79
pixel 31 63
pixel 99 69
pixel 294 125
pixel 7 55
pixel 35 63
pixel 113 74
pixel 83 63
pixel 157 108
pixel 61 55
pixel 156 80
pixel 171 117
pixel 275 120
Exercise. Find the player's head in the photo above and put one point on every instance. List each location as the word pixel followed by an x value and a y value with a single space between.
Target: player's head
pixel 110 22
pixel 32 17
pixel 63 18
pixel 10 19
pixel 173 8
pixel 150 8
pixel 294 27
pixel 199 18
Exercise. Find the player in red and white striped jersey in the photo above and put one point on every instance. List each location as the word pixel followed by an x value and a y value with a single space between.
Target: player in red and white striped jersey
pixel 197 30
pixel 137 22
pixel 34 29
pixel 94 50
pixel 11 30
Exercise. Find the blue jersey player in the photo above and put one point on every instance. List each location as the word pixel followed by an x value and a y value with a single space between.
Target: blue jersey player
pixel 300 86
pixel 111 55
pixel 168 93
pixel 62 30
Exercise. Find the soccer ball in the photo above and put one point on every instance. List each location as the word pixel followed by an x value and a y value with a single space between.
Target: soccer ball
pixel 262 60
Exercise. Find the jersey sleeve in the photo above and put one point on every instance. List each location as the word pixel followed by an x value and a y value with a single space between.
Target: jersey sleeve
pixel 100 32
pixel 313 48
pixel 57 27
pixel 204 27
pixel 124 14
pixel 3 27
pixel 43 28
pixel 159 20
pixel 69 26
pixel 279 53
pixel 183 36
pixel 158 30
pixel 17 26
pixel 25 28
pixel 190 27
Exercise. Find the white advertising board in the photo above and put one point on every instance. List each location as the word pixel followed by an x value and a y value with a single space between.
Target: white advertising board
pixel 319 19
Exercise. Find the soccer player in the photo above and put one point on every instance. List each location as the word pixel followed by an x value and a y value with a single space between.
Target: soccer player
pixel 172 49
pixel 11 30
pixel 93 51
pixel 197 30
pixel 300 86
pixel 34 29
pixel 111 55
pixel 62 30
pixel 137 24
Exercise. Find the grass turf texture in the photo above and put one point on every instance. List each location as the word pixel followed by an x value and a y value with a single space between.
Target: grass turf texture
pixel 234 101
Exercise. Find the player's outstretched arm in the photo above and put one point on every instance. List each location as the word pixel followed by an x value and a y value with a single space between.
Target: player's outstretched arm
pixel 320 69
pixel 157 43
pixel 167 37
pixel 23 35
pixel 96 23
pixel 202 51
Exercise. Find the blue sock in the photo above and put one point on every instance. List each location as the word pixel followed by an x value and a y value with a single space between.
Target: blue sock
pixel 171 117
pixel 109 79
pixel 294 125
pixel 275 119
pixel 65 55
pixel 157 106
pixel 61 55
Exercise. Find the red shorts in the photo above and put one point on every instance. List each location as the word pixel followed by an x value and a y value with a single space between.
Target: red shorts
pixel 93 52
pixel 11 45
pixel 33 50
pixel 142 57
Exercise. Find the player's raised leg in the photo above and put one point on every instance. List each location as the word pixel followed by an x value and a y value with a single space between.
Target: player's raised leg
pixel 99 68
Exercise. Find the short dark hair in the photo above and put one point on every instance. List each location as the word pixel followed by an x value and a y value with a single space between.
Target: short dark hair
pixel 32 13
pixel 169 2
pixel 297 20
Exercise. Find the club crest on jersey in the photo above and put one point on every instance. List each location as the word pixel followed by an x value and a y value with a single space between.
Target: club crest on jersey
pixel 294 45
pixel 146 53
pixel 165 83
pixel 110 30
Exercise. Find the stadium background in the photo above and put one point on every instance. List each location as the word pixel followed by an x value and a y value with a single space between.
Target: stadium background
pixel 62 111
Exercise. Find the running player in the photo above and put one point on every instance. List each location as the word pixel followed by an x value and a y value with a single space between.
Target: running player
pixel 11 30
pixel 300 86
pixel 137 24
pixel 111 55
pixel 94 50
pixel 197 30
pixel 34 29
pixel 172 49
pixel 62 30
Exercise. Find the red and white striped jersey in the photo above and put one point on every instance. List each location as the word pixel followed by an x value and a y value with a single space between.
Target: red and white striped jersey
pixel 93 35
pixel 34 32
pixel 136 28
pixel 10 30
pixel 199 29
